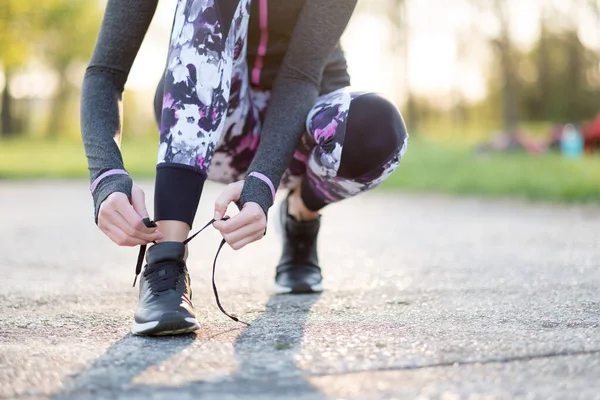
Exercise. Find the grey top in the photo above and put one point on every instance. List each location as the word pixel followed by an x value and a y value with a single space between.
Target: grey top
pixel 312 46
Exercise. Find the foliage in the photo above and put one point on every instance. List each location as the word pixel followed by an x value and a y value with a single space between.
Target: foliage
pixel 563 85
pixel 19 21
pixel 55 33
pixel 52 29
pixel 556 79
pixel 70 28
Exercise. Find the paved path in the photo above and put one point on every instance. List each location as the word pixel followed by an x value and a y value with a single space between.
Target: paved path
pixel 428 297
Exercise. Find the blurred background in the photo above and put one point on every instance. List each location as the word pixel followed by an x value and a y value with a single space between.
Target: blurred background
pixel 501 97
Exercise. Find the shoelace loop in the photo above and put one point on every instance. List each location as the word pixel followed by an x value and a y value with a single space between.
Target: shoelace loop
pixel 161 278
pixel 142 253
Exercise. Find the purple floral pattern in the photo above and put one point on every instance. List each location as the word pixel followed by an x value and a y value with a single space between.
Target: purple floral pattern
pixel 326 124
pixel 201 64
pixel 317 157
pixel 212 117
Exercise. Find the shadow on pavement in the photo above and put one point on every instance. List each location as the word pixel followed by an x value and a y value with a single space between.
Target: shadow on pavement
pixel 123 361
pixel 265 353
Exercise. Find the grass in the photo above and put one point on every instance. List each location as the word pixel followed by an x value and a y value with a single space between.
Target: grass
pixel 26 159
pixel 431 167
pixel 427 167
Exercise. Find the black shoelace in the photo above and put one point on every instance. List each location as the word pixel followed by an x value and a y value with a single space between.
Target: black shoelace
pixel 161 279
pixel 161 283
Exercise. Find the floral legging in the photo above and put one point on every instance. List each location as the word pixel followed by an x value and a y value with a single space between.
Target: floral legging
pixel 210 116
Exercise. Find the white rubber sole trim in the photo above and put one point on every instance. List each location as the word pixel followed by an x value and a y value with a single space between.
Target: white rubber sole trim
pixel 278 289
pixel 141 329
pixel 136 329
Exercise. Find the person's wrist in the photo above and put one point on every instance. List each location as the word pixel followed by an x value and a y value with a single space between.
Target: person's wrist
pixel 258 191
pixel 105 187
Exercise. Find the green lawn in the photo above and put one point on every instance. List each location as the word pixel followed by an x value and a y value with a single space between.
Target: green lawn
pixel 66 159
pixel 429 167
pixel 426 167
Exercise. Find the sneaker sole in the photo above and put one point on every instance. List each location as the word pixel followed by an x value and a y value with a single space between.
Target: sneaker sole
pixel 302 288
pixel 169 324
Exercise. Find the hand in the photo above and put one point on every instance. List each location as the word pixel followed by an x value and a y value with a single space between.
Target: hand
pixel 246 227
pixel 122 222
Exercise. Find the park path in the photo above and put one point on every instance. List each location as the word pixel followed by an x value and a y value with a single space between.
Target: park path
pixel 426 296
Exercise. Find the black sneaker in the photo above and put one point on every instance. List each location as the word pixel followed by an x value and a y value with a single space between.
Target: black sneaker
pixel 165 304
pixel 298 270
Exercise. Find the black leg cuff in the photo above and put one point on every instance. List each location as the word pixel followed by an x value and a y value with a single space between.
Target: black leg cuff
pixel 311 200
pixel 177 193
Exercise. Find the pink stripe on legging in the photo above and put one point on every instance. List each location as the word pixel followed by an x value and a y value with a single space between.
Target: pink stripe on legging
pixel 300 157
pixel 264 39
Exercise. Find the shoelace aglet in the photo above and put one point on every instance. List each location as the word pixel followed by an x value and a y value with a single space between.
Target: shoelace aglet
pixel 135 280
pixel 236 319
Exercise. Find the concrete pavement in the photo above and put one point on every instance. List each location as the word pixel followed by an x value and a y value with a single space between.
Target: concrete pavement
pixel 426 297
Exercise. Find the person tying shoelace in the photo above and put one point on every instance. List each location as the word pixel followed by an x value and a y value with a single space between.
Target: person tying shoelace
pixel 256 95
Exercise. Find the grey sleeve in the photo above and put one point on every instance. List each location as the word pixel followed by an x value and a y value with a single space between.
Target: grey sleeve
pixel 123 28
pixel 319 28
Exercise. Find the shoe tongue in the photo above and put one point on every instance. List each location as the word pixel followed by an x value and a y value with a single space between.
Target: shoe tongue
pixel 162 272
pixel 296 227
pixel 165 251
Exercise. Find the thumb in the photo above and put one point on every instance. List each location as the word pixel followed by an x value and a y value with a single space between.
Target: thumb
pixel 231 193
pixel 138 201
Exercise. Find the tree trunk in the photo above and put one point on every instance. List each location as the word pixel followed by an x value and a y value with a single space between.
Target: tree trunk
pixel 56 126
pixel 411 113
pixel 543 70
pixel 509 96
pixel 402 45
pixel 411 105
pixel 575 72
pixel 6 117
pixel 509 86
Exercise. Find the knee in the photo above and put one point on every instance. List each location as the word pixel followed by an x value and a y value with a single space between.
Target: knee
pixel 375 133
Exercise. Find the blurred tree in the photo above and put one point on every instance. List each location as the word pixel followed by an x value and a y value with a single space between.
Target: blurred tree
pixel 542 110
pixel 399 18
pixel 564 86
pixel 17 27
pixel 594 7
pixel 459 108
pixel 503 47
pixel 70 28
pixel 59 33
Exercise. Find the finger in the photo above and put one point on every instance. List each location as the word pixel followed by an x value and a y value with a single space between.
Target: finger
pixel 121 238
pixel 138 201
pixel 246 241
pixel 118 220
pixel 231 193
pixel 233 223
pixel 134 221
pixel 243 232
pixel 245 217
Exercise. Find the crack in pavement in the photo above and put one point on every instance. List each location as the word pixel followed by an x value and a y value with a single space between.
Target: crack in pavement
pixel 245 381
pixel 484 361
